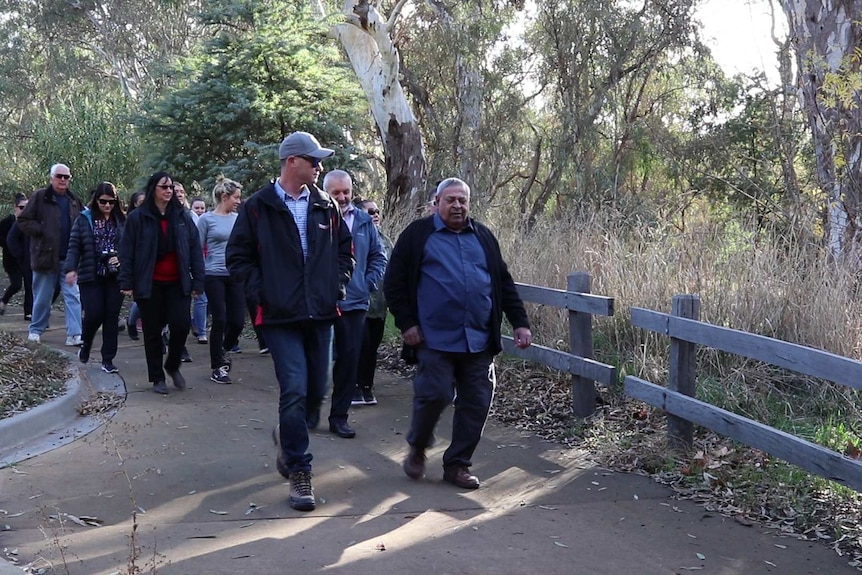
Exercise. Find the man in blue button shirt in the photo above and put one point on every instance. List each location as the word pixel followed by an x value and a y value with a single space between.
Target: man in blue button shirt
pixel 448 288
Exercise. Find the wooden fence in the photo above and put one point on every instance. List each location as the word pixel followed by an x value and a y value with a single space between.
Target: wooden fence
pixel 682 325
pixel 582 306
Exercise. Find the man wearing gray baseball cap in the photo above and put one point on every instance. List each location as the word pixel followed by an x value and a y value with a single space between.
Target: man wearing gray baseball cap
pixel 292 253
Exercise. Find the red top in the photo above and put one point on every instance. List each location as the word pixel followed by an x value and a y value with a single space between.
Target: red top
pixel 167 269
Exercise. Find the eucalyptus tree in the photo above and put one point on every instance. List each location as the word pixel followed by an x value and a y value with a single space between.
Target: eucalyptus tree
pixel 827 38
pixel 587 49
pixel 268 69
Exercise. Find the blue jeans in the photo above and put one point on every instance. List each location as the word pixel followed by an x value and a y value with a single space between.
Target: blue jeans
pixel 44 284
pixel 474 380
pixel 300 353
pixel 199 315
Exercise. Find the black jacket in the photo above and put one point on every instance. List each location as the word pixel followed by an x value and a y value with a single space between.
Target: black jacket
pixel 265 255
pixel 19 246
pixel 401 283
pixel 139 246
pixel 10 262
pixel 82 257
pixel 41 221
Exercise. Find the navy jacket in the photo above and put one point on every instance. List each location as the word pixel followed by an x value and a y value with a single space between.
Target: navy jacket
pixel 140 244
pixel 264 254
pixel 370 259
pixel 402 280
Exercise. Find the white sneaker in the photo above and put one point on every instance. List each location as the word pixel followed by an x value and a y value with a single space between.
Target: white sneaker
pixel 74 340
pixel 34 337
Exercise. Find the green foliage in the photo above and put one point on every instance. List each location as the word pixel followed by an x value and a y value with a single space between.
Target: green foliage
pixel 268 70
pixel 92 135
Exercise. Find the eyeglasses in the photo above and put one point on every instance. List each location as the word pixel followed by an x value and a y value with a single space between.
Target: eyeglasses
pixel 21 207
pixel 315 162
pixel 373 212
pixel 165 186
pixel 107 202
pixel 63 176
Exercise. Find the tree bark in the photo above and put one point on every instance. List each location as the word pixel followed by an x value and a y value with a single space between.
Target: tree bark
pixel 825 36
pixel 366 39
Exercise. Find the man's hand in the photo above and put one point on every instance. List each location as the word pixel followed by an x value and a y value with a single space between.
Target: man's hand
pixel 523 337
pixel 71 278
pixel 412 336
pixel 126 292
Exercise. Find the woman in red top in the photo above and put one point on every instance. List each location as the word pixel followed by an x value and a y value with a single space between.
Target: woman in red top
pixel 162 268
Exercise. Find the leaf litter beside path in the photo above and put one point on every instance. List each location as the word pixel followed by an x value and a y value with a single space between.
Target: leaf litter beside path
pixel 30 374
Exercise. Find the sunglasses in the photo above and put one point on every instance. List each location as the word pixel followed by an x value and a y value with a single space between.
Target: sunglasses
pixel 107 202
pixel 315 162
pixel 63 176
pixel 165 186
pixel 373 212
pixel 20 207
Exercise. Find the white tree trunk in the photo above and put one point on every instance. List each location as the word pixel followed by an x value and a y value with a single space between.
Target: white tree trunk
pixel 365 36
pixel 825 34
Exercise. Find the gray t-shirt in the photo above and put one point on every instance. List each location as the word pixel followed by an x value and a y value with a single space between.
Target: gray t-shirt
pixel 215 232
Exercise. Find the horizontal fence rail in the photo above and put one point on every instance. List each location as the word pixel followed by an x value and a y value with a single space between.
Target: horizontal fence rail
pixel 583 302
pixel 809 456
pixel 792 356
pixel 556 359
pixel 678 400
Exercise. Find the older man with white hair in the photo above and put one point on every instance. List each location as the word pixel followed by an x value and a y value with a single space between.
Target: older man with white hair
pixel 47 220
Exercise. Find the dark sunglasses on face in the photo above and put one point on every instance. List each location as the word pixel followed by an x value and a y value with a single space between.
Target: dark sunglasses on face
pixel 165 186
pixel 373 212
pixel 20 207
pixel 315 162
pixel 107 202
pixel 63 176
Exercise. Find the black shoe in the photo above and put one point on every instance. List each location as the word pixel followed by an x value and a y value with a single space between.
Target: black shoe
pixel 220 375
pixel 358 399
pixel 109 367
pixel 368 397
pixel 341 429
pixel 185 357
pixel 84 353
pixel 160 388
pixel 301 493
pixel 132 330
pixel 28 317
pixel 178 379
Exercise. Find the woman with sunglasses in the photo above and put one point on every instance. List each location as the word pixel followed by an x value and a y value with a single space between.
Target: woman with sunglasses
pixel 14 269
pixel 162 268
pixel 92 262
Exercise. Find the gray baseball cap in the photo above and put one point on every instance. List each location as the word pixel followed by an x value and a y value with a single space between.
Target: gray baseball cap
pixel 302 144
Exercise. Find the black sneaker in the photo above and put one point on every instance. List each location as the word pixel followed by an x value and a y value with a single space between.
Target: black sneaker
pixel 301 492
pixel 109 367
pixel 185 357
pixel 368 397
pixel 160 388
pixel 358 399
pixel 84 354
pixel 220 375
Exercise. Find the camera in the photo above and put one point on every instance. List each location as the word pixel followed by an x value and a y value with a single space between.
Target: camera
pixel 111 269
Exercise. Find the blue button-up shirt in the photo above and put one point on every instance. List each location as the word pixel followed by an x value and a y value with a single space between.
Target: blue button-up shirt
pixel 299 209
pixel 454 291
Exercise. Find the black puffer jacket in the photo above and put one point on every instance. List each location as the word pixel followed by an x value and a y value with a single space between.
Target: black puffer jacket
pixel 82 257
pixel 139 247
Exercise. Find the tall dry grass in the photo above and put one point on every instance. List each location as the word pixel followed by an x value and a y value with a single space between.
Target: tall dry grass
pixel 762 283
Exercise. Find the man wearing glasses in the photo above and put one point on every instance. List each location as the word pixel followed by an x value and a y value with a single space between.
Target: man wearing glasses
pixel 292 253
pixel 47 220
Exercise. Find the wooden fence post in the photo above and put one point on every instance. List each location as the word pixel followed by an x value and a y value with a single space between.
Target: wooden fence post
pixel 680 433
pixel 581 343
